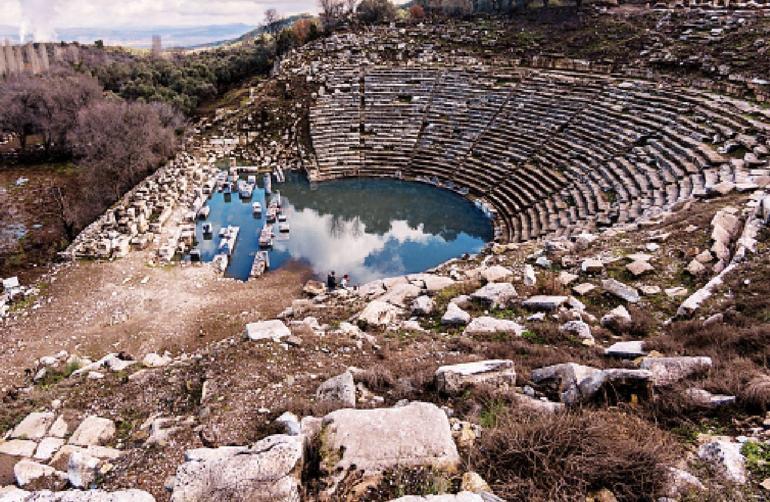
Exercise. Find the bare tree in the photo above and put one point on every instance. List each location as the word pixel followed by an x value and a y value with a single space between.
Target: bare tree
pixel 46 105
pixel 375 11
pixel 350 5
pixel 331 13
pixel 119 144
pixel 272 21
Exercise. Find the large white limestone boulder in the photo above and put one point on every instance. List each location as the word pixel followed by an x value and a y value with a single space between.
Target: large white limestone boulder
pixel 496 273
pixel 34 426
pixel 455 316
pixel 485 325
pixel 28 471
pixel 401 294
pixel 498 373
pixel 431 282
pixel 379 314
pixel 339 390
pixel 93 431
pixel 423 305
pixel 496 294
pixel 622 291
pixel 417 434
pixel 268 471
pixel 274 329
pixel 669 370
pixel 725 457
pixel 628 350
pixel 544 302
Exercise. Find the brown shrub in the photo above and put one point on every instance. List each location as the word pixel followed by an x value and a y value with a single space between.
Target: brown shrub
pixel 564 456
pixel 756 393
pixel 720 341
pixel 548 284
pixel 378 378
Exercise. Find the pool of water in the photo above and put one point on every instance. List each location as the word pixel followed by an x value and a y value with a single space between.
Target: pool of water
pixel 367 228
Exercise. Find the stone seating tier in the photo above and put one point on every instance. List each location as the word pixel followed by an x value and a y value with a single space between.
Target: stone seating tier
pixel 552 152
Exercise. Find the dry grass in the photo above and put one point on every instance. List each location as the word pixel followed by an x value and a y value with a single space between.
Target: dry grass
pixel 740 355
pixel 565 456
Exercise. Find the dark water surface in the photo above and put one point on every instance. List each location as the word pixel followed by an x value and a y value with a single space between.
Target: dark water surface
pixel 367 228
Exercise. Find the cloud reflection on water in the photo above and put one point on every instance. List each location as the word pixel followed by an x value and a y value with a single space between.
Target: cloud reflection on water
pixel 326 243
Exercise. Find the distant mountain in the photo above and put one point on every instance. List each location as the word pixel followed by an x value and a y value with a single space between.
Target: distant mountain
pixel 256 32
pixel 171 36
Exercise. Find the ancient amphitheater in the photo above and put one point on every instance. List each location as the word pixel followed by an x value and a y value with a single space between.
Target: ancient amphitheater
pixel 611 344
pixel 553 152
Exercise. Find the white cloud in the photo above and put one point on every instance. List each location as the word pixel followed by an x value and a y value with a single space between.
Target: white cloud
pixel 43 17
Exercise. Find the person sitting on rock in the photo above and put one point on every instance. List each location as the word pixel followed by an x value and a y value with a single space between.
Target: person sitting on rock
pixel 331 281
pixel 345 282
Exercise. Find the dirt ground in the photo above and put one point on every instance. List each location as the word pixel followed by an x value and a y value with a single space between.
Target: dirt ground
pixel 94 308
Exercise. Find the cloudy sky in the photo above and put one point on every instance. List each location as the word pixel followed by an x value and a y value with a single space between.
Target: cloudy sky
pixel 42 18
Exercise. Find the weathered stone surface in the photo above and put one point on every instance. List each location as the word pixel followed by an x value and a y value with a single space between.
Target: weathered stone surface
pixel 649 290
pixel 433 283
pixel 696 268
pixel 538 405
pixel 274 330
pixel 93 431
pixel 529 278
pixel 706 399
pixel 454 315
pixel 629 350
pixel 267 471
pixel 28 471
pixel 417 434
pixel 153 360
pixel 400 294
pixel 669 370
pixel 488 325
pixel 465 496
pixel 60 428
pixel 47 448
pixel 584 239
pixel 592 266
pixel 12 494
pixel 544 302
pixel 567 379
pixel 622 291
pixel 113 362
pixel 578 329
pixel 339 390
pixel 583 288
pixel 682 483
pixel 616 318
pixel 378 313
pixel 676 292
pixel 565 278
pixel 18 447
pixel 82 469
pixel 498 373
pixel 725 457
pixel 34 426
pixel 290 423
pixel 496 294
pixel 638 268
pixel 496 273
pixel 423 305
